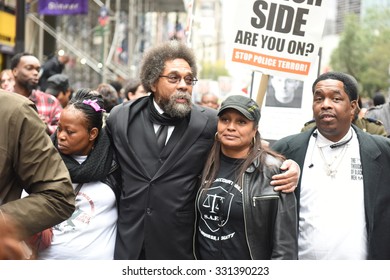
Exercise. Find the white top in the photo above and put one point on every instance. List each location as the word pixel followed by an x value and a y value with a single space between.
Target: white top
pixel 332 220
pixel 90 232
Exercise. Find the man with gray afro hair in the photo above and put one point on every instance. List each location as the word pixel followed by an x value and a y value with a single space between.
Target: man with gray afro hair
pixel 154 61
pixel 156 208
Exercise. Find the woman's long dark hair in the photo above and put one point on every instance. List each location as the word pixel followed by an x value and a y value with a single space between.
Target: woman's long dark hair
pixel 213 162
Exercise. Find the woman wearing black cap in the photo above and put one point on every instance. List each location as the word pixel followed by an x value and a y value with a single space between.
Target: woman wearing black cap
pixel 239 215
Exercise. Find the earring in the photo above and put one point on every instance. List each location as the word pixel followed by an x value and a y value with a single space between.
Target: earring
pixel 216 136
pixel 254 141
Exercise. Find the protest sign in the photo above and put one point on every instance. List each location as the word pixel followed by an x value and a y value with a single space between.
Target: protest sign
pixel 277 37
pixel 279 40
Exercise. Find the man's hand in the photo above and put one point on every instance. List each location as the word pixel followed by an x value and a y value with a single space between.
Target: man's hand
pixel 287 181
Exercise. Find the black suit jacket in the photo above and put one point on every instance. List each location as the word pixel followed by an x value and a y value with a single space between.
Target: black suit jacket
pixel 375 159
pixel 157 212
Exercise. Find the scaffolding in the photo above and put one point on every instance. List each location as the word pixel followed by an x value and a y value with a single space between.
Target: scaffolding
pixel 103 52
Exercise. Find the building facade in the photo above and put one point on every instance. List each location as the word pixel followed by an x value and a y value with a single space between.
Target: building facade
pixel 105 44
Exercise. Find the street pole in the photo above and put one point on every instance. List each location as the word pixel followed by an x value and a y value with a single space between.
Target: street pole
pixel 104 20
pixel 20 25
pixel 105 42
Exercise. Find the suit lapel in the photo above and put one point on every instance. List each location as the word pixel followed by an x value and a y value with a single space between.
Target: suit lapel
pixel 125 118
pixel 298 147
pixel 372 172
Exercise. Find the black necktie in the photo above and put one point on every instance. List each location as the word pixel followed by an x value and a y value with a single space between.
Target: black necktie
pixel 161 135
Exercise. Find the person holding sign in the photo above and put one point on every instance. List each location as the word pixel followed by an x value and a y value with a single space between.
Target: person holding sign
pixel 343 193
pixel 240 216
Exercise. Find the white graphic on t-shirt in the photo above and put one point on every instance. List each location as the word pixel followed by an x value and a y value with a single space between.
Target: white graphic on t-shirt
pixel 79 216
pixel 219 207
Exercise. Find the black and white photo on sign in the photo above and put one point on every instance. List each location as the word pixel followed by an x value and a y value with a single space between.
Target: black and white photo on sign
pixel 284 92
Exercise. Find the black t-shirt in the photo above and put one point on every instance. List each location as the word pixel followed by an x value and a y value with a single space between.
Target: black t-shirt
pixel 220 231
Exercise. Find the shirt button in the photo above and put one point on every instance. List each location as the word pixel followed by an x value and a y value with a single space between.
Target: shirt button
pixel 148 211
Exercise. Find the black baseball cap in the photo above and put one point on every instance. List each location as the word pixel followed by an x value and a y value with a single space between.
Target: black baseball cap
pixel 245 105
pixel 57 83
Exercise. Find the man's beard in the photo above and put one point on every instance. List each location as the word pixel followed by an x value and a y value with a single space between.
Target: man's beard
pixel 29 86
pixel 174 109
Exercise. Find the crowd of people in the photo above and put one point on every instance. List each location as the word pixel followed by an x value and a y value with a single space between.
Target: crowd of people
pixel 148 175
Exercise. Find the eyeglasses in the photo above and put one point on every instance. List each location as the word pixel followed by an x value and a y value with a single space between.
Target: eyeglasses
pixel 174 79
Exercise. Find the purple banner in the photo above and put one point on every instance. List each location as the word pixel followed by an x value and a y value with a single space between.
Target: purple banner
pixel 63 7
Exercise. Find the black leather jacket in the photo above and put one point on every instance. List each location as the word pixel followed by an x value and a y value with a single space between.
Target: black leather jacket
pixel 270 217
